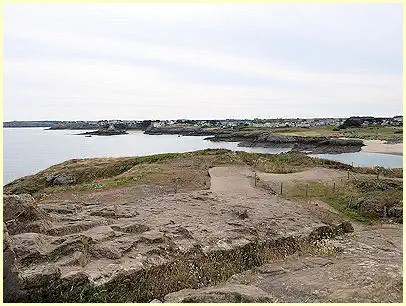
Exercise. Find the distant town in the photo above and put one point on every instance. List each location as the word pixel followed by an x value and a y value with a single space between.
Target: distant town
pixel 225 123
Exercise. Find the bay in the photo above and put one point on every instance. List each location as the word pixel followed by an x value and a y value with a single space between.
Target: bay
pixel 29 150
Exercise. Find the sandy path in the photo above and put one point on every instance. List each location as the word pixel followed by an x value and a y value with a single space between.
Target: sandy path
pixel 314 174
pixel 234 180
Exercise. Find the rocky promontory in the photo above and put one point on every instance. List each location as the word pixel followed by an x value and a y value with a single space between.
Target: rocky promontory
pixel 315 145
pixel 253 138
pixel 105 132
pixel 202 226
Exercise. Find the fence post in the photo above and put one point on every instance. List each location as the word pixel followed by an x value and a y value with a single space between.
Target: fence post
pixel 281 188
pixel 334 186
pixel 348 174
pixel 307 190
pixel 255 179
pixel 384 211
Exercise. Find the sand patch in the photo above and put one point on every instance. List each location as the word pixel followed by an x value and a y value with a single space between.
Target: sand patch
pixel 380 146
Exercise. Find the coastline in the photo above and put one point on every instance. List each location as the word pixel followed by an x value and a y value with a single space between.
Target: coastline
pixel 380 146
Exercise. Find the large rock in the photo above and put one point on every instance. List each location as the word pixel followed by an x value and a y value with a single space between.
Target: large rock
pixel 15 205
pixel 11 281
pixel 60 180
pixel 22 214
pixel 40 276
pixel 230 293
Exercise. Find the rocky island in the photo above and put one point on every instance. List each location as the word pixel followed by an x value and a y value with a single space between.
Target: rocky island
pixel 315 145
pixel 105 132
pixel 260 138
pixel 204 226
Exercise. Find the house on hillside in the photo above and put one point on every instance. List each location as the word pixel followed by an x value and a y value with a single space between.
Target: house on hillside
pixel 398 119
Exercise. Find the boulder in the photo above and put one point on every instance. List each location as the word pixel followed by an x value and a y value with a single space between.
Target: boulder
pixel 16 205
pixel 40 276
pixel 60 180
pixel 22 214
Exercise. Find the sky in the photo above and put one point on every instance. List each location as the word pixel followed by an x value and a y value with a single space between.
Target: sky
pixel 201 61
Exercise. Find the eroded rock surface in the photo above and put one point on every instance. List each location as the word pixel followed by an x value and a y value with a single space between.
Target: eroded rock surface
pixel 230 293
pixel 132 245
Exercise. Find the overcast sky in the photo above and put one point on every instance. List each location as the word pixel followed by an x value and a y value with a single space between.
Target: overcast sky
pixel 163 61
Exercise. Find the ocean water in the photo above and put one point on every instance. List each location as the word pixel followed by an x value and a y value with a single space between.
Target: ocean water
pixel 366 159
pixel 29 150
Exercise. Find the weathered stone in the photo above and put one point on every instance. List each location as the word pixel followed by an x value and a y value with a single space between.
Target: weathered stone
pixel 112 249
pixel 60 180
pixel 40 276
pixel 60 208
pixel 65 229
pixel 30 246
pixel 153 236
pixel 135 228
pixel 78 258
pixel 100 233
pixel 230 293
pixel 11 281
pixel 15 206
pixel 22 214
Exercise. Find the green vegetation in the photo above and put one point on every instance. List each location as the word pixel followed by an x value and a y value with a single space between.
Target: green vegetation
pixel 167 169
pixel 389 133
pixel 360 200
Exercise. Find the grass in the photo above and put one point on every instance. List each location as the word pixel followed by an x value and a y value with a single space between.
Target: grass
pixel 393 133
pixel 161 169
pixel 367 197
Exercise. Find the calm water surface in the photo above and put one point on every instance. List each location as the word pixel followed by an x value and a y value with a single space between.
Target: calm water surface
pixel 29 150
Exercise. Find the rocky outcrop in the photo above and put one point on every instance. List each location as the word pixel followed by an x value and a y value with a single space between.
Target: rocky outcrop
pixel 60 180
pixel 316 145
pixel 22 214
pixel 122 248
pixel 11 281
pixel 106 132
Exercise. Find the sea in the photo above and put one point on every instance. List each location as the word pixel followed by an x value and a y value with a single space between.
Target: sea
pixel 29 150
